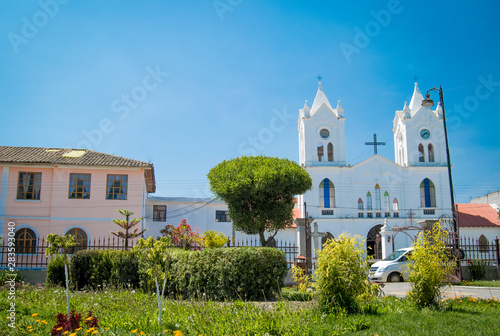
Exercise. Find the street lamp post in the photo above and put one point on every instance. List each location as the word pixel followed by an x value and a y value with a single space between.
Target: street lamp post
pixel 429 102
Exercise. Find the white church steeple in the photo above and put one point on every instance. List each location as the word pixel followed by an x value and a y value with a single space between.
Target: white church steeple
pixel 321 132
pixel 419 134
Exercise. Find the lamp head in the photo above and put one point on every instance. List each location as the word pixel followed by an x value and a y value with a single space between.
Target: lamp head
pixel 427 102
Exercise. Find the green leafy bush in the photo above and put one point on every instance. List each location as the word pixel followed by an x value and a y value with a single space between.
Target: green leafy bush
pixel 7 275
pixel 246 273
pixel 342 274
pixel 93 268
pixel 477 269
pixel 55 272
pixel 214 239
pixel 431 264
pixel 292 294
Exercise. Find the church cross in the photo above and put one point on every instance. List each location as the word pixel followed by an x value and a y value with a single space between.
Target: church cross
pixel 375 143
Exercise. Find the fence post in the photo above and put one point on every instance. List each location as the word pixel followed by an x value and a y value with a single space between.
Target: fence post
pixel 498 252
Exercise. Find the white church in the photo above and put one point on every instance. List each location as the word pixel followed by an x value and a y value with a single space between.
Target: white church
pixel 360 198
pixel 356 199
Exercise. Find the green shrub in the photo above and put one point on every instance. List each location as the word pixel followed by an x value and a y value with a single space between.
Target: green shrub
pixel 246 273
pixel 303 280
pixel 7 275
pixel 55 272
pixel 342 274
pixel 477 269
pixel 94 268
pixel 214 239
pixel 292 294
pixel 431 264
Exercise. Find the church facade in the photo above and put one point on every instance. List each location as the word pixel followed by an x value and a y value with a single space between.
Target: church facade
pixel 361 198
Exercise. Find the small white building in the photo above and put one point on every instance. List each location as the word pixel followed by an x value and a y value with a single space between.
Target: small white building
pixel 478 221
pixel 202 214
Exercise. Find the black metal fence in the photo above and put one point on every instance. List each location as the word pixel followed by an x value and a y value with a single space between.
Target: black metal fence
pixel 291 250
pixel 475 249
pixel 34 257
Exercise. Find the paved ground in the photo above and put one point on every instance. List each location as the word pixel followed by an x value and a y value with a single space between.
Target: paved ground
pixel 400 290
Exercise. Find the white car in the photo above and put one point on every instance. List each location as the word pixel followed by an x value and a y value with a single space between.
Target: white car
pixel 391 268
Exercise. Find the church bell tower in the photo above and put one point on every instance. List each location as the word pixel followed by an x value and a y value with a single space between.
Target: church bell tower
pixel 321 133
pixel 419 134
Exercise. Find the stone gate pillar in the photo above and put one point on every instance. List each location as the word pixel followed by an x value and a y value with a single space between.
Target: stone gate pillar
pixel 385 237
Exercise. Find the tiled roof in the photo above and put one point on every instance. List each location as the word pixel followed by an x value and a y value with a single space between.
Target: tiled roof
pixel 70 156
pixel 84 157
pixel 477 215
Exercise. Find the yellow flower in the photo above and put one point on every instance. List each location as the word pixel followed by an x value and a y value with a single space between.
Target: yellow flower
pixel 73 334
pixel 94 332
pixel 66 332
pixel 37 321
pixel 134 331
pixel 88 318
pixel 177 333
pixel 78 329
pixel 142 333
pixel 166 330
pixel 34 315
pixel 44 322
pixel 58 329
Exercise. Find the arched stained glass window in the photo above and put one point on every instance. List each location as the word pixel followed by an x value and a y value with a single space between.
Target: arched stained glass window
pixel 378 205
pixel 427 194
pixel 395 205
pixel 326 194
pixel 360 204
pixel 368 201
pixel 387 201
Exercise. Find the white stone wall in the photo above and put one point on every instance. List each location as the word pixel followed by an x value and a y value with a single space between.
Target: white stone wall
pixel 491 198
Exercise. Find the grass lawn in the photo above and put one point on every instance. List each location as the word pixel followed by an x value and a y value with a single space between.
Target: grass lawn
pixel 479 283
pixel 126 312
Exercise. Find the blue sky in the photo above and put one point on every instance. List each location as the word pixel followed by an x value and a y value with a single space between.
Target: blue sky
pixel 187 84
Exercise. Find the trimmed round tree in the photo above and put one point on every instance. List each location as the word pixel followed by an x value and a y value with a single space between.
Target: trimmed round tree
pixel 259 192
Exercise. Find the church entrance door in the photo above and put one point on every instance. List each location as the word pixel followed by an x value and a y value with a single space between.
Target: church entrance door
pixel 373 245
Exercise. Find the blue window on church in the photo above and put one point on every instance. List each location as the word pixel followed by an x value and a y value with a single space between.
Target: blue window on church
pixel 326 194
pixel 427 194
pixel 369 201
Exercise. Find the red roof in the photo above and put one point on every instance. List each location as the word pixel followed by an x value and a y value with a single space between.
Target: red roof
pixel 477 215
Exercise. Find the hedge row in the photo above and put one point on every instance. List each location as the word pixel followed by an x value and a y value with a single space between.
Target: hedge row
pixel 247 273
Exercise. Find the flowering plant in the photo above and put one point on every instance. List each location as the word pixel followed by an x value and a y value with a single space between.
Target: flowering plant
pixel 71 322
pixel 183 236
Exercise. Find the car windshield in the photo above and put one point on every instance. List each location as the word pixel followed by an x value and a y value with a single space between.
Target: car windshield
pixel 395 255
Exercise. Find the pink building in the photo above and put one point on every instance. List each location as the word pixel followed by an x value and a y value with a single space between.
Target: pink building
pixel 55 190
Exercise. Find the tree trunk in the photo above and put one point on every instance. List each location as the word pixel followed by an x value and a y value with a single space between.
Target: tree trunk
pixel 126 234
pixel 66 275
